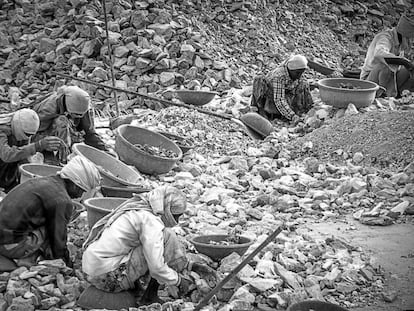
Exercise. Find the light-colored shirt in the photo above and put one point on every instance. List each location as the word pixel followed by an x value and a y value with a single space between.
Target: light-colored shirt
pixel 133 229
pixel 384 44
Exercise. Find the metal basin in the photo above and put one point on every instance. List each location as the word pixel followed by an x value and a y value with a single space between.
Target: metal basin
pixel 196 98
pixel 33 170
pixel 128 136
pixel 315 305
pixel 122 192
pixel 99 207
pixel 203 245
pixel 113 171
pixel 179 141
pixel 334 92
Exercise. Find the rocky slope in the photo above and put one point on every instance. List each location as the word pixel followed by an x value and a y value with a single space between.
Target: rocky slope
pixel 162 45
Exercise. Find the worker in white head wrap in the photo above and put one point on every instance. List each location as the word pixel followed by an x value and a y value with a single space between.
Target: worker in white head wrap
pixel 16 129
pixel 135 238
pixel 82 173
pixel 283 93
pixel 35 214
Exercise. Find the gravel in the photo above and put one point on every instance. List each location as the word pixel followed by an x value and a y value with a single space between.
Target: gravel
pixel 386 139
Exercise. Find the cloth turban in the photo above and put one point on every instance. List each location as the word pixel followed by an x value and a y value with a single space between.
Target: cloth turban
pixel 297 62
pixel 406 27
pixel 167 201
pixel 24 121
pixel 82 173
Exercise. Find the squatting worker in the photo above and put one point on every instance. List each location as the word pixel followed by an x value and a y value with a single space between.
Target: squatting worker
pixel 16 129
pixel 396 41
pixel 66 114
pixel 283 93
pixel 35 214
pixel 135 239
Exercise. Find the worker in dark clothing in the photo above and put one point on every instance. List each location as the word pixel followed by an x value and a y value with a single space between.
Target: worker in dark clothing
pixel 16 128
pixel 35 214
pixel 67 115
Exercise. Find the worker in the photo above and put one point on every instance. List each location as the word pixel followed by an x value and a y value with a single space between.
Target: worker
pixel 135 239
pixel 35 214
pixel 283 93
pixel 67 115
pixel 16 129
pixel 393 42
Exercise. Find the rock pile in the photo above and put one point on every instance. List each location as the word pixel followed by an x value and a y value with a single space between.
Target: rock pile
pixel 157 45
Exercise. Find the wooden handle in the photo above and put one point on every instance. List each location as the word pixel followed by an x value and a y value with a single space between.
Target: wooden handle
pixel 229 276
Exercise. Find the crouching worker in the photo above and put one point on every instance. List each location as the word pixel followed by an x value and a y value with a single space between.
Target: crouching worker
pixel 283 93
pixel 66 114
pixel 136 239
pixel 35 214
pixel 16 129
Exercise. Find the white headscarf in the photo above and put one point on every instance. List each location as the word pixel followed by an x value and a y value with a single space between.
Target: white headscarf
pixel 296 62
pixel 24 121
pixel 82 173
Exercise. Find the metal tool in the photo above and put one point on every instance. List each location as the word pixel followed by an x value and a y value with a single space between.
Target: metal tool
pixel 229 276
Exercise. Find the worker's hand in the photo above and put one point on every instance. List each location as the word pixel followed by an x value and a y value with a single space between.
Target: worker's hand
pixel 185 285
pixel 49 143
pixel 295 119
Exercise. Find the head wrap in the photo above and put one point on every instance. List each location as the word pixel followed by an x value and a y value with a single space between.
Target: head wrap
pixel 405 27
pixel 76 99
pixel 297 62
pixel 167 201
pixel 24 121
pixel 82 173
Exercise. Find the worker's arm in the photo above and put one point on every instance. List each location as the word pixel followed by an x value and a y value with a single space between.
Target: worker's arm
pixel 91 137
pixel 57 213
pixel 152 238
pixel 280 99
pixel 383 49
pixel 9 154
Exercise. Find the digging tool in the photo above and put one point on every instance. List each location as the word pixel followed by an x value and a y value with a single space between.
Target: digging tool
pixel 261 122
pixel 229 276
pixel 329 71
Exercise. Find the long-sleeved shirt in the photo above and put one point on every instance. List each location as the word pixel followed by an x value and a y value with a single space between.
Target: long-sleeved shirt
pixel 10 149
pixel 133 229
pixel 36 203
pixel 281 82
pixel 50 108
pixel 12 153
pixel 384 44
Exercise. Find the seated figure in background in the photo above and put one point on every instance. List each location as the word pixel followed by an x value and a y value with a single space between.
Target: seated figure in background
pixel 283 93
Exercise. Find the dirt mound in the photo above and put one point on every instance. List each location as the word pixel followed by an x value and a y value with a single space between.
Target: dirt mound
pixel 386 139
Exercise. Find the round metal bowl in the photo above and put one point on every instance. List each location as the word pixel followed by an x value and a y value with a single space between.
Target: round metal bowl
pixel 126 139
pixel 99 207
pixel 122 192
pixel 179 141
pixel 332 92
pixel 33 170
pixel 315 305
pixel 257 123
pixel 113 172
pixel 218 252
pixel 196 98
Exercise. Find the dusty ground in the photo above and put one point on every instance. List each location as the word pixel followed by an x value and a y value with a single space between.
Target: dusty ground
pixel 391 247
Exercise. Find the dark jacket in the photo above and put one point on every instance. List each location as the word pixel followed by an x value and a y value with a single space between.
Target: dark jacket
pixel 12 153
pixel 53 106
pixel 36 203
